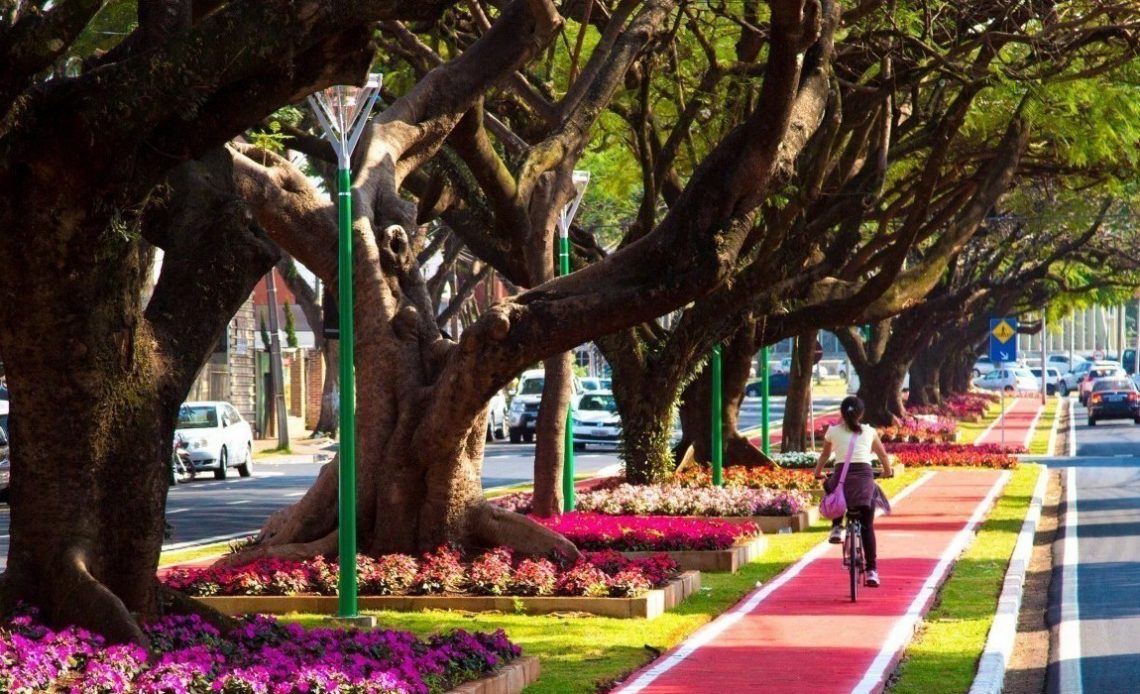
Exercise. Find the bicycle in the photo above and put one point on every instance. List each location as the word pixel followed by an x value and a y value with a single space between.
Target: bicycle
pixel 853 557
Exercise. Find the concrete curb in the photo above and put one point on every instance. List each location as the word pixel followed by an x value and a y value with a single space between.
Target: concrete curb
pixel 512 679
pixel 999 644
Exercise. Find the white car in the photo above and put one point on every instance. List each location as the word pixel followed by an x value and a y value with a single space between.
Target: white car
pixel 1052 378
pixel 596 420
pixel 785 367
pixel 983 367
pixel 523 412
pixel 218 438
pixel 1010 380
pixel 497 416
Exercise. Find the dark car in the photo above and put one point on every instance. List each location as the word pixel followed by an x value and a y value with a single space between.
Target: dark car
pixel 777 385
pixel 1113 398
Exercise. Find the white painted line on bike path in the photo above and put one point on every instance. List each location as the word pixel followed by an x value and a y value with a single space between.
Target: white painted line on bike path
pixel 710 631
pixel 1069 630
pixel 903 630
pixel 1003 631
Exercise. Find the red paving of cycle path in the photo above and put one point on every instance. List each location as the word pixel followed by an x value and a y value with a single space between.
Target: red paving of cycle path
pixel 1019 417
pixel 805 635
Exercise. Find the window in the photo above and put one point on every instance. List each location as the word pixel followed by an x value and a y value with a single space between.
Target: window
pixel 198 417
pixel 598 403
pixel 531 386
pixel 1113 384
pixel 232 414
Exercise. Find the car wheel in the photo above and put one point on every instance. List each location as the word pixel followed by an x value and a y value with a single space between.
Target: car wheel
pixel 502 430
pixel 1092 421
pixel 579 447
pixel 529 438
pixel 246 468
pixel 220 473
pixel 977 374
pixel 1009 389
pixel 1137 420
pixel 1064 390
pixel 516 437
pixel 490 435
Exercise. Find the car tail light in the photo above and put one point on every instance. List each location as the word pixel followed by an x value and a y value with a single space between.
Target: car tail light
pixel 1096 397
pixel 1133 397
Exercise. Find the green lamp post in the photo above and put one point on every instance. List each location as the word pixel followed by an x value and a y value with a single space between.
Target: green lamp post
pixel 343 112
pixel 580 179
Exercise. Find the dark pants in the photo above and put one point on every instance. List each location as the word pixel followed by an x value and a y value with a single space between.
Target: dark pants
pixel 866 515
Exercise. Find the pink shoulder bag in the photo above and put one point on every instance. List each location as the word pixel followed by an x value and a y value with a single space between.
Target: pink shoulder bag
pixel 834 503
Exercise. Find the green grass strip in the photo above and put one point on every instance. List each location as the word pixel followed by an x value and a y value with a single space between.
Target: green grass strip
pixel 182 556
pixel 1039 444
pixel 943 657
pixel 968 432
pixel 579 653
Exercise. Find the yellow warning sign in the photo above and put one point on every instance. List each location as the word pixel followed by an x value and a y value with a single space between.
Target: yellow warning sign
pixel 1003 331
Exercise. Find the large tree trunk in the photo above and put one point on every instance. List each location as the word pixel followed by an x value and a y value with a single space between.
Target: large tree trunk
pixel 880 388
pixel 646 401
pixel 88 488
pixel 925 378
pixel 797 408
pixel 696 405
pixel 550 436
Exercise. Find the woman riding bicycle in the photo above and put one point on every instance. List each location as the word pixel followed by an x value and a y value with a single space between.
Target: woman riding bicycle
pixel 862 494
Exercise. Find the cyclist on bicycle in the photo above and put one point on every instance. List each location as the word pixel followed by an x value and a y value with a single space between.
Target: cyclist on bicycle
pixel 862 494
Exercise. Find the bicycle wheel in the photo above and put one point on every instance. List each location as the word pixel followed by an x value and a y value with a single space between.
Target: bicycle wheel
pixel 853 558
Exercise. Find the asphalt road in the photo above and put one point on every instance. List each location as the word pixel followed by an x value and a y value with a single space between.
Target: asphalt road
pixel 1095 592
pixel 207 510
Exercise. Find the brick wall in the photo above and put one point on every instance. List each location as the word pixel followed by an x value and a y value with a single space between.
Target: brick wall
pixel 297 383
pixel 314 385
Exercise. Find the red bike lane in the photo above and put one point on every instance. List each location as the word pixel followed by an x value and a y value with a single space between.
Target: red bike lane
pixel 1018 421
pixel 800 632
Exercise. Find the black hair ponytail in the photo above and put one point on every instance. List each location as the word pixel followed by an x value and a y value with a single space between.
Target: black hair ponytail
pixel 851 409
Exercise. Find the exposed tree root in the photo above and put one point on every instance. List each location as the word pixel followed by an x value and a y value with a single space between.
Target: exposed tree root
pixel 172 602
pixel 325 546
pixel 310 519
pixel 78 598
pixel 491 526
pixel 740 451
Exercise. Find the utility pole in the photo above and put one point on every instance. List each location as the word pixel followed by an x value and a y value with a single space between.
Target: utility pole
pixel 276 372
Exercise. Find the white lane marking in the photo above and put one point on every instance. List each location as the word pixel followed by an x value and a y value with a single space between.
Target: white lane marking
pixel 1069 631
pixel 998 420
pixel 294 495
pixel 1072 429
pixel 1033 427
pixel 177 510
pixel 239 502
pixel 904 627
pixel 1051 450
pixel 715 628
pixel 207 540
pixel 999 643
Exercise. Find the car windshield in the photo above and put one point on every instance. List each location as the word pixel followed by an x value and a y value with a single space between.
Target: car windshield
pixel 197 417
pixel 598 403
pixel 1025 373
pixel 531 386
pixel 1113 384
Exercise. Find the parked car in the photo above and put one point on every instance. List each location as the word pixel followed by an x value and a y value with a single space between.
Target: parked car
pixel 818 371
pixel 1129 361
pixel 595 421
pixel 5 478
pixel 1052 376
pixel 777 385
pixel 983 366
pixel 525 401
pixel 218 438
pixel 497 417
pixel 1071 380
pixel 1009 379
pixel 4 393
pixel 1097 372
pixel 1062 363
pixel 1114 398
pixel 590 384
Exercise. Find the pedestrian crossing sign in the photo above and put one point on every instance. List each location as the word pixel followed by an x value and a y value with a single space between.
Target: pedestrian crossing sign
pixel 1003 331
pixel 1003 340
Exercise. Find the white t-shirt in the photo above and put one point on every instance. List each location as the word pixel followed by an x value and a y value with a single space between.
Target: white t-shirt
pixel 840 437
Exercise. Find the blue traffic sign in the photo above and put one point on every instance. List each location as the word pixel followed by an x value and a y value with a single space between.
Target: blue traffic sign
pixel 1003 340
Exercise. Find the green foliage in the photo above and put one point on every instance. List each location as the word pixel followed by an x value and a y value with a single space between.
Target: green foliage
pixel 270 136
pixel 290 327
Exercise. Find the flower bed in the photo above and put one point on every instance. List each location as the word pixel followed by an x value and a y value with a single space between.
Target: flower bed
pixel 799 460
pixel 596 532
pixel 965 407
pixel 922 429
pixel 263 656
pixel 752 477
pixel 603 574
pixel 954 455
pixel 678 500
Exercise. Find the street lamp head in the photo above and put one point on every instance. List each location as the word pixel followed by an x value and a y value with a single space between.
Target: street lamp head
pixel 580 179
pixel 343 111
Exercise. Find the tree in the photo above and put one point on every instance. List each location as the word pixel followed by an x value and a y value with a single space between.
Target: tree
pixel 290 327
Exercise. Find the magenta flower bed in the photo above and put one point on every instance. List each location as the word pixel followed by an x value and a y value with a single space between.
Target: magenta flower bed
pixel 966 407
pixel 442 572
pixel 592 531
pixel 263 656
pixel 906 430
pixel 954 455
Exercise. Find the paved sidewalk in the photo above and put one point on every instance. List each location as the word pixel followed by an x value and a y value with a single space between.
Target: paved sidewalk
pixel 1021 418
pixel 801 633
